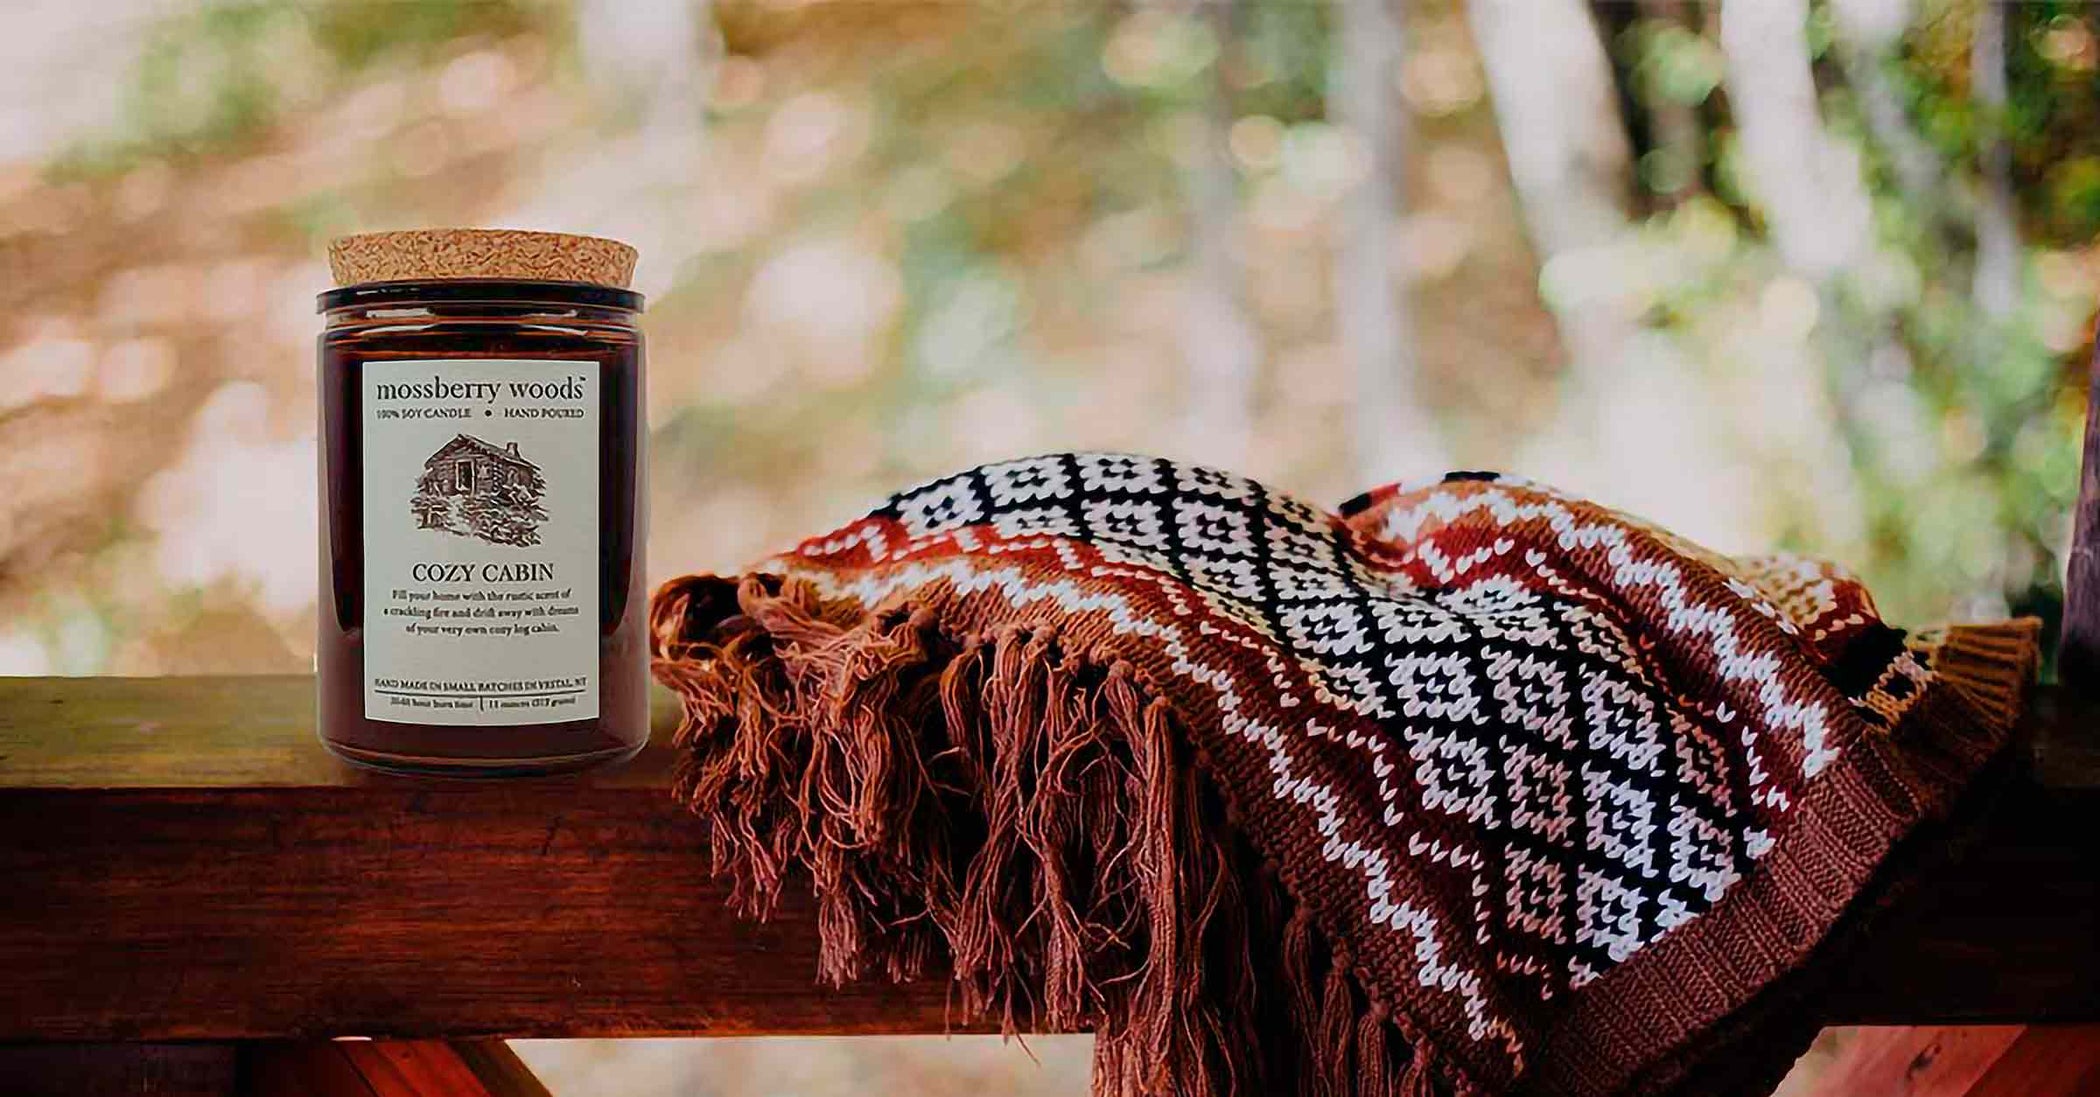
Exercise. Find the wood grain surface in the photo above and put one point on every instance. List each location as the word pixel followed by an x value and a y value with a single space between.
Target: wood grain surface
pixel 119 1070
pixel 184 862
pixel 386 1068
pixel 1965 1061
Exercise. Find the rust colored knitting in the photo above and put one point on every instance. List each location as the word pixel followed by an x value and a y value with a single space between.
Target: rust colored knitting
pixel 1470 789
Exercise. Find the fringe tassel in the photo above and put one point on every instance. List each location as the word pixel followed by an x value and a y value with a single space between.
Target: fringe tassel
pixel 1029 812
pixel 1335 1050
pixel 1374 1077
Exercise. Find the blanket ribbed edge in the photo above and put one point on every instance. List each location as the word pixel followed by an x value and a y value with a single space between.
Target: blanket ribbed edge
pixel 1723 1006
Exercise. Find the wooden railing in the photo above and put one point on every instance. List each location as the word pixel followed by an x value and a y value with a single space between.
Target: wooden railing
pixel 183 862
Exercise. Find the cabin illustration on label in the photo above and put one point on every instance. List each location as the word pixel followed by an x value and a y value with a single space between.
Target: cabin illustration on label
pixel 475 489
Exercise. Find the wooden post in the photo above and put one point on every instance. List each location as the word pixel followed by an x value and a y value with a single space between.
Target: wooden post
pixel 2078 659
pixel 133 1070
pixel 296 1068
pixel 387 1068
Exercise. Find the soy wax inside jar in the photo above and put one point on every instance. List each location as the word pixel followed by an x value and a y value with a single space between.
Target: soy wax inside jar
pixel 482 473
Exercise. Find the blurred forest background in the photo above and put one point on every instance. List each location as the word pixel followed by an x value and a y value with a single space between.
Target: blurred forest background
pixel 1813 275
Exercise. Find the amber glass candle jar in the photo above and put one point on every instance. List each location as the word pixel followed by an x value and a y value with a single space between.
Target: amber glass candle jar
pixel 482 609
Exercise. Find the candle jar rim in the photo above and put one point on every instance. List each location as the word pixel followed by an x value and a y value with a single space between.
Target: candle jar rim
pixel 488 290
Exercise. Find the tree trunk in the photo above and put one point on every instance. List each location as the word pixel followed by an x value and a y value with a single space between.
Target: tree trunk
pixel 1808 183
pixel 1810 189
pixel 1568 155
pixel 1391 437
pixel 1997 286
pixel 1868 31
pixel 1677 132
pixel 650 62
pixel 1628 396
pixel 1221 348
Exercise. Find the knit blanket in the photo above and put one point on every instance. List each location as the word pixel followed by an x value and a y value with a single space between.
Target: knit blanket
pixel 1469 788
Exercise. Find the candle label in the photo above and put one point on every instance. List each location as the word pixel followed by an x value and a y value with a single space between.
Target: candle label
pixel 481 541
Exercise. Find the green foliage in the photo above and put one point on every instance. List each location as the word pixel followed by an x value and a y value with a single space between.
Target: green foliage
pixel 2052 113
pixel 1283 59
pixel 1961 426
pixel 212 79
pixel 1093 105
pixel 1021 163
pixel 357 34
pixel 1676 64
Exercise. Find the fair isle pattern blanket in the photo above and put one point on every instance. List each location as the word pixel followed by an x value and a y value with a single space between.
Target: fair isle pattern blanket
pixel 1473 787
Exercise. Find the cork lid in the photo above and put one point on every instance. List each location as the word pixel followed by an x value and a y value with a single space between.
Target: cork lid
pixel 424 255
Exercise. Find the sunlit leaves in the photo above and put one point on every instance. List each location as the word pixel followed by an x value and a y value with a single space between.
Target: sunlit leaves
pixel 1158 50
pixel 1676 64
